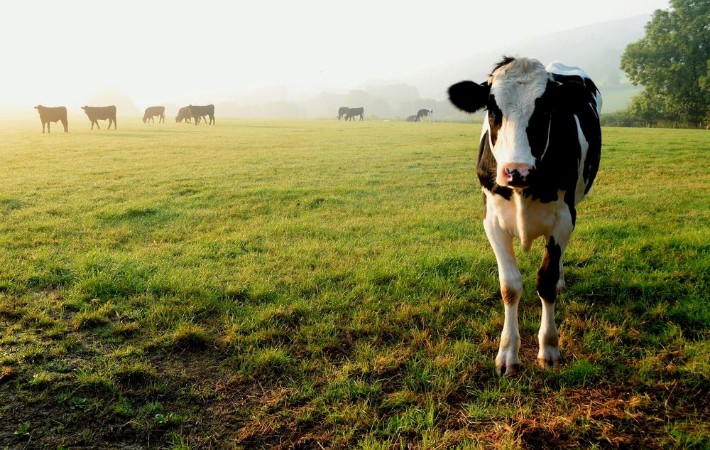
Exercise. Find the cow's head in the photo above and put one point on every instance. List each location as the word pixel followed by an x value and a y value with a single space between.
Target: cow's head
pixel 519 97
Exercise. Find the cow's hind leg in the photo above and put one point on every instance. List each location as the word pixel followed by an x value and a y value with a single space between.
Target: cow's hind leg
pixel 511 288
pixel 548 278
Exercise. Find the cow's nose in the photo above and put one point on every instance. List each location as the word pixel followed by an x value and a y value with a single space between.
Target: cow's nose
pixel 515 174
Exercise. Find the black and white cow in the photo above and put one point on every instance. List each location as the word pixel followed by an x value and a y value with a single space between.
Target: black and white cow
pixel 422 113
pixel 538 156
pixel 48 114
pixel 153 111
pixel 96 113
pixel 354 112
pixel 201 111
pixel 342 112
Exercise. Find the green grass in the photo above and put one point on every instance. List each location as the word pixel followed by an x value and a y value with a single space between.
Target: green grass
pixel 308 284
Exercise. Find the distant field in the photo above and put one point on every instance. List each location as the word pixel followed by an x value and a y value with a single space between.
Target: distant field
pixel 321 284
pixel 619 98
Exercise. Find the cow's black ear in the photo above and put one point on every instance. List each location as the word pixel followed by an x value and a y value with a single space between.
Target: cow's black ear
pixel 469 96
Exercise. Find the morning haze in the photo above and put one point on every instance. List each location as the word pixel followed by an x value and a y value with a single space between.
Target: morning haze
pixel 279 59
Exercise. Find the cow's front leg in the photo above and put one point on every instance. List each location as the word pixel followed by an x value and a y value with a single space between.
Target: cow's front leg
pixel 511 288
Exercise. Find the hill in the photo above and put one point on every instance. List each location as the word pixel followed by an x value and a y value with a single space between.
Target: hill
pixel 597 48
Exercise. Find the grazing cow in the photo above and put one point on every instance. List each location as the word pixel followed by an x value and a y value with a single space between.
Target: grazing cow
pixel 96 113
pixel 183 114
pixel 422 113
pixel 354 112
pixel 412 118
pixel 538 156
pixel 152 111
pixel 342 111
pixel 52 114
pixel 201 111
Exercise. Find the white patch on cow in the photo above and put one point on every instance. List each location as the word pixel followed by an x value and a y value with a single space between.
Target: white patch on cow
pixel 501 239
pixel 523 217
pixel 547 142
pixel 516 86
pixel 485 128
pixel 581 182
pixel 548 339
pixel 507 358
pixel 564 69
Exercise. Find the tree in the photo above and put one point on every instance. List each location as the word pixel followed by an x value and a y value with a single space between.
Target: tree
pixel 672 62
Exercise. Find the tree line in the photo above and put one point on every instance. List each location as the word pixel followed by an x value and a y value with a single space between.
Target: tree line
pixel 672 63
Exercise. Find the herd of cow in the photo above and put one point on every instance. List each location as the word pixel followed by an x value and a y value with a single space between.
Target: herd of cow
pixel 56 114
pixel 187 114
pixel 351 113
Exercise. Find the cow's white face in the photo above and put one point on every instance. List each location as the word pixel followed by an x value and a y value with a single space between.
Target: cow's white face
pixel 514 91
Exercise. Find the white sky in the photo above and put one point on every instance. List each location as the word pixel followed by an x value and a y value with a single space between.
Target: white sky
pixel 199 51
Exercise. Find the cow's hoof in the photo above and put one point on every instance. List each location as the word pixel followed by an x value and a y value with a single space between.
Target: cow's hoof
pixel 507 371
pixel 548 363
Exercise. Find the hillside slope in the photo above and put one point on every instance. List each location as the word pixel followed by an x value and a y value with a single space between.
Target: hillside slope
pixel 596 48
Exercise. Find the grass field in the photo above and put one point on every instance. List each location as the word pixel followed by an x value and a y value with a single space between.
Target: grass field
pixel 321 284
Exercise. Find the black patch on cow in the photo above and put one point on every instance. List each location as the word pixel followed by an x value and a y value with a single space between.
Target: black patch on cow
pixel 538 128
pixel 579 81
pixel 549 272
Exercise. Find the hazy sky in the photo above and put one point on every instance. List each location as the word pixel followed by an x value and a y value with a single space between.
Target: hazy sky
pixel 199 51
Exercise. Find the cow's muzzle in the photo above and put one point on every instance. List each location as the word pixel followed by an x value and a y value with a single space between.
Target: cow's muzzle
pixel 514 175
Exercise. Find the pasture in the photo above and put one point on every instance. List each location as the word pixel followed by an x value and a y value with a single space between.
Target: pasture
pixel 328 284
